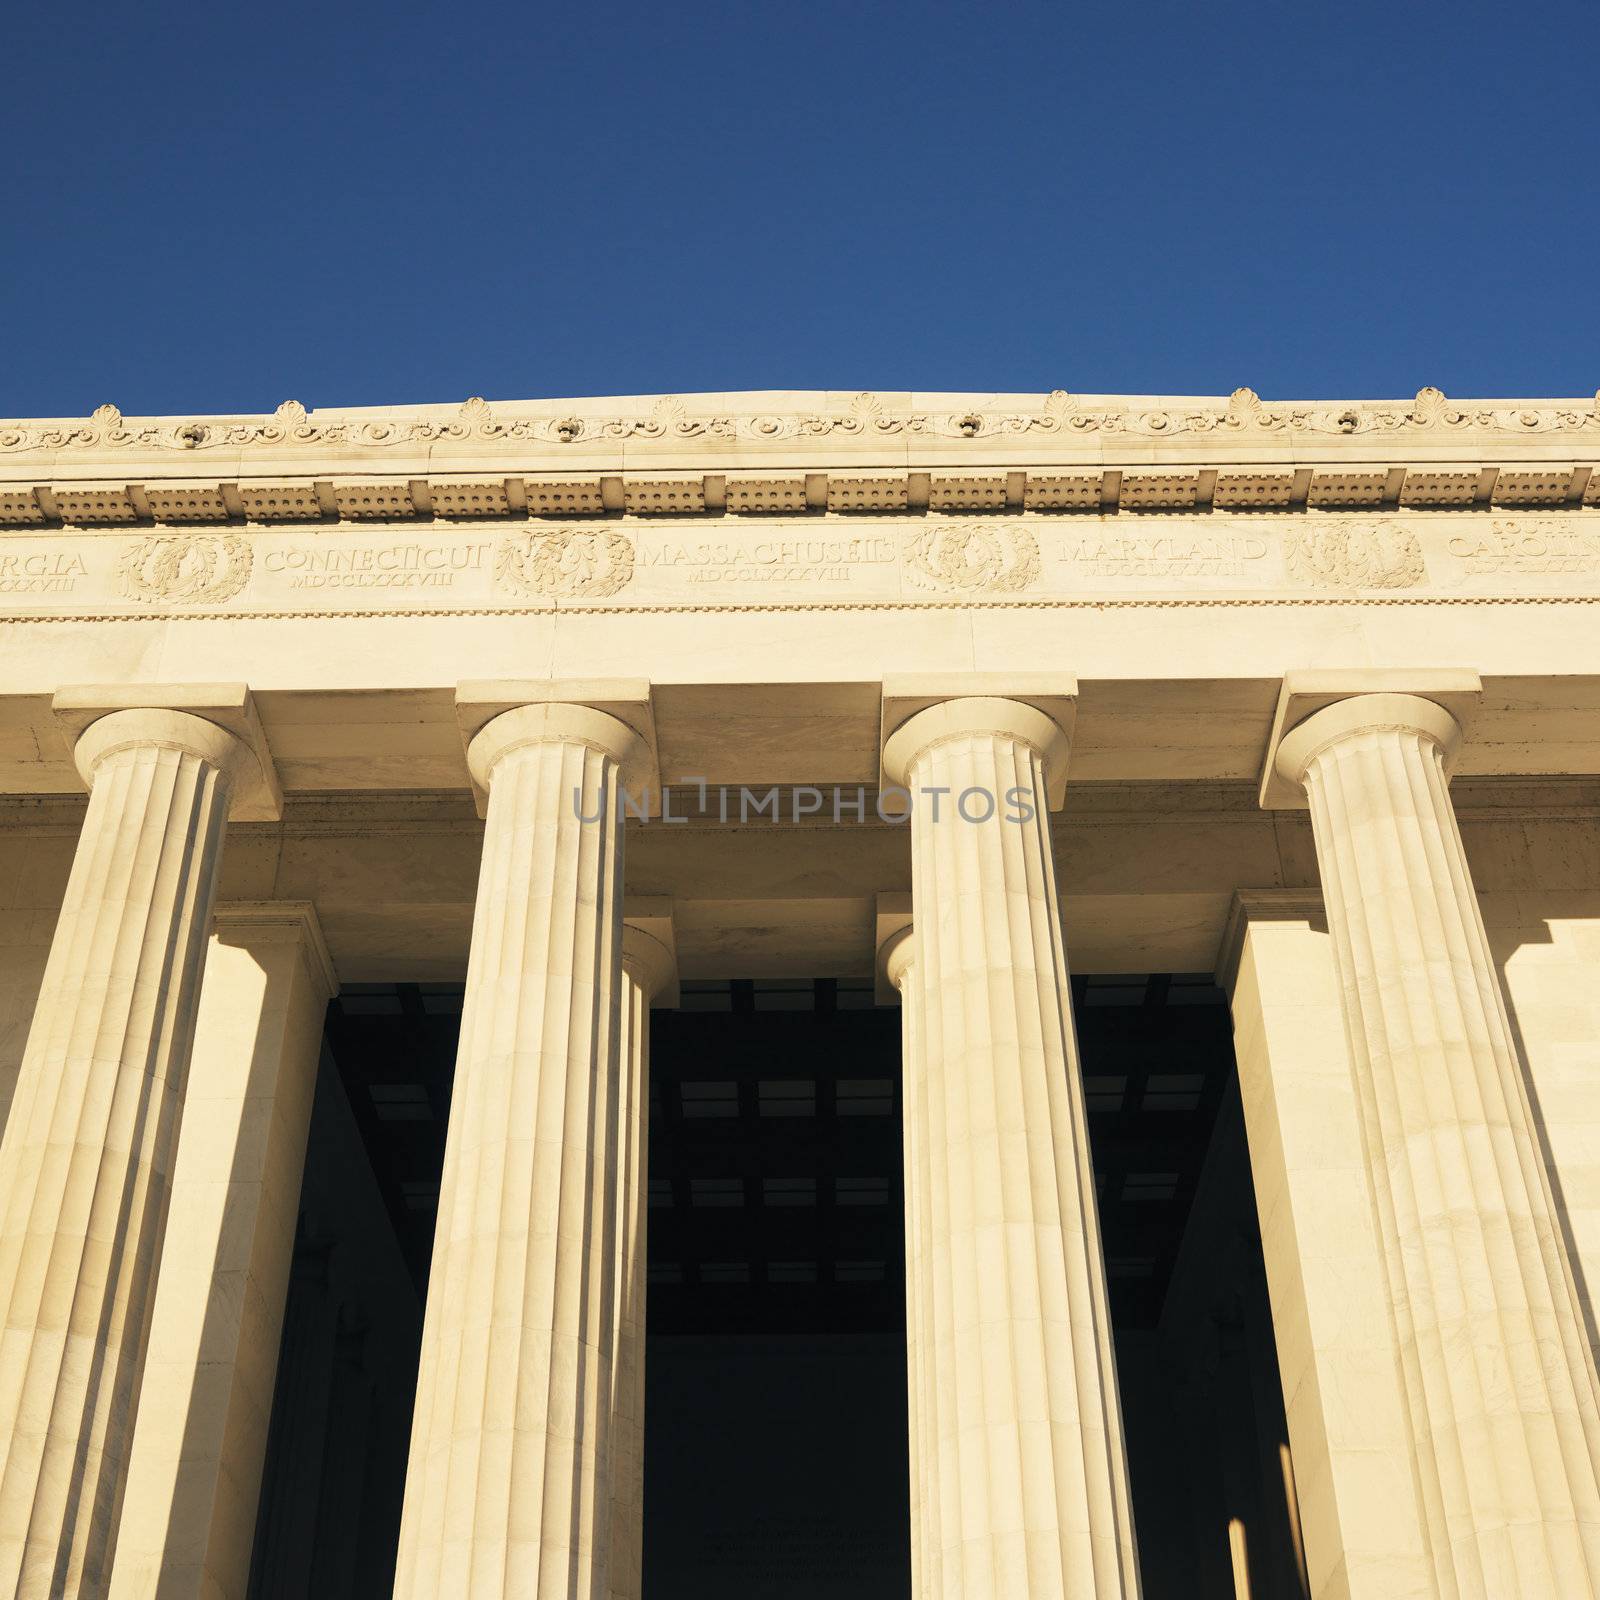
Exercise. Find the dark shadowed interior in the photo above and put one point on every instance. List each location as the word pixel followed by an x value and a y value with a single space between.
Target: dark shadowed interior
pixel 776 1456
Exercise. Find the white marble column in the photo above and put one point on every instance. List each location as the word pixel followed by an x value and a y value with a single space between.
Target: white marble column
pixel 87 1157
pixel 1337 1359
pixel 1498 1379
pixel 189 1514
pixel 897 960
pixel 507 1488
pixel 647 966
pixel 1027 1484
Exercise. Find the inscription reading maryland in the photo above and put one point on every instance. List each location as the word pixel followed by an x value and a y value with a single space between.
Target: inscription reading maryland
pixel 1163 556
pixel 801 560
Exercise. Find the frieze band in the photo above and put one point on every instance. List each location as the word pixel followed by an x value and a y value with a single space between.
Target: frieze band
pixel 887 561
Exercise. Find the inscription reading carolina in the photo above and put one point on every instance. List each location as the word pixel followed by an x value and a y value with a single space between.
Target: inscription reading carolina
pixel 1528 547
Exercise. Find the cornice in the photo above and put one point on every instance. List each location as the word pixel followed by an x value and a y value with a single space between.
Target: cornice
pixel 755 455
pixel 735 421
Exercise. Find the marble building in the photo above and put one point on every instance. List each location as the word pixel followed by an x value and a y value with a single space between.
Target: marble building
pixel 960 996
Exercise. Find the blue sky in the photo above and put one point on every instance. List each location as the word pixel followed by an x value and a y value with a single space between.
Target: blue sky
pixel 218 208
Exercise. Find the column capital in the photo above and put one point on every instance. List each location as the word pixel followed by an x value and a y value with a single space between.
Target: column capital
pixel 1302 906
pixel 552 724
pixel 981 714
pixel 1306 696
pixel 247 922
pixel 160 730
pixel 228 708
pixel 893 926
pixel 620 700
pixel 653 964
pixel 1365 713
pixel 896 956
pixel 1053 695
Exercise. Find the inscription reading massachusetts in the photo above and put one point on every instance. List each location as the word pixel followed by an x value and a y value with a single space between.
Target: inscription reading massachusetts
pixel 790 557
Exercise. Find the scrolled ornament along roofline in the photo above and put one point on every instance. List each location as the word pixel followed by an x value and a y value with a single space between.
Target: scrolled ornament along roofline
pixel 792 421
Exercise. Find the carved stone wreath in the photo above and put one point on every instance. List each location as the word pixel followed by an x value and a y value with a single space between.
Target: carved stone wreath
pixel 196 569
pixel 1365 556
pixel 973 558
pixel 573 563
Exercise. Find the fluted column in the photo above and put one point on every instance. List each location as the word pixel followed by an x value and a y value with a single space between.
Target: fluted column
pixel 507 1487
pixel 189 1516
pixel 647 965
pixel 87 1157
pixel 898 960
pixel 1029 1497
pixel 1498 1379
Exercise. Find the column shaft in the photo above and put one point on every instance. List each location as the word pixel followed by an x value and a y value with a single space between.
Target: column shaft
pixel 899 959
pixel 1498 1379
pixel 507 1488
pixel 87 1155
pixel 1334 1339
pixel 646 963
pixel 1030 1494
pixel 189 1515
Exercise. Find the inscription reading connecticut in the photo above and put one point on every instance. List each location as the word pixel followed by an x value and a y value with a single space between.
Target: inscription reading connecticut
pixel 377 566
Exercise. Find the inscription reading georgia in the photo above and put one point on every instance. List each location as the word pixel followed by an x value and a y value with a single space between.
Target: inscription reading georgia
pixel 40 572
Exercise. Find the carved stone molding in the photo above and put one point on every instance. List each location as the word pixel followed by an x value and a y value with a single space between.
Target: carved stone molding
pixel 669 419
pixel 185 569
pixel 582 563
pixel 973 558
pixel 1365 556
